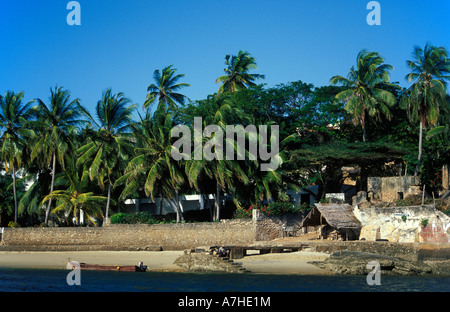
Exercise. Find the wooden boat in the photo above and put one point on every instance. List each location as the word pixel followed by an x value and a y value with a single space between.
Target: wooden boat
pixel 103 267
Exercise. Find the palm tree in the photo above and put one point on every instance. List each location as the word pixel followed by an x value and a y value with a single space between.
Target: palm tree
pixel 109 143
pixel 366 89
pixel 55 124
pixel 13 116
pixel 75 198
pixel 237 73
pixel 430 69
pixel 153 164
pixel 220 111
pixel 6 198
pixel 165 89
pixel 134 180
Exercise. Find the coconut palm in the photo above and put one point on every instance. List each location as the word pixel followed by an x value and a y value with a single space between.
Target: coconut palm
pixel 218 111
pixel 165 89
pixel 153 164
pixel 237 73
pixel 76 198
pixel 55 125
pixel 366 89
pixel 430 71
pixel 109 144
pixel 13 116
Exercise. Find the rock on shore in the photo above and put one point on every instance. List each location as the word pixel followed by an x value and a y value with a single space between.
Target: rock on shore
pixel 355 262
pixel 200 260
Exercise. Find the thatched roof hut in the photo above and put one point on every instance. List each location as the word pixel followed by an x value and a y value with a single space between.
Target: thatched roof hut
pixel 337 219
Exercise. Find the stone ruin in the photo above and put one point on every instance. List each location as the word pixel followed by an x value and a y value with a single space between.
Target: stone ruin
pixel 382 219
pixel 390 189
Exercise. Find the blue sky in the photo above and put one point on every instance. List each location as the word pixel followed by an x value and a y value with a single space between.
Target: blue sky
pixel 120 43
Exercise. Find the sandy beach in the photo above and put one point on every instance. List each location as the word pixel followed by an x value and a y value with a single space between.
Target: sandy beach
pixel 285 263
pixel 281 263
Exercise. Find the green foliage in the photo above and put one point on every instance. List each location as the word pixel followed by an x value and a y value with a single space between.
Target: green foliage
pixel 424 222
pixel 13 224
pixel 242 213
pixel 108 148
pixel 153 170
pixel 52 131
pixel 272 209
pixel 366 89
pixel 426 98
pixel 113 157
pixel 6 195
pixel 237 76
pixel 133 218
pixel 164 89
pixel 13 118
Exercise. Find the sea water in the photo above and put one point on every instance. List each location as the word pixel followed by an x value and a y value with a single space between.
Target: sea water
pixel 46 280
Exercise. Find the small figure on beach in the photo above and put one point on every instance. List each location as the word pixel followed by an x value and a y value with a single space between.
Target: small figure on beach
pixel 142 266
pixel 223 252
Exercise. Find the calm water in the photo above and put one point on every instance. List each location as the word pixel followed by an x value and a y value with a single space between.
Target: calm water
pixel 30 280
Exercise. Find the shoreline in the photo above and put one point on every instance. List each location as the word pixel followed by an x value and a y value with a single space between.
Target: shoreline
pixel 162 261
pixel 304 262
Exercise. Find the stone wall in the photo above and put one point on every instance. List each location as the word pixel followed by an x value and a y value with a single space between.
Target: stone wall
pixel 126 237
pixel 390 189
pixel 403 224
pixel 269 228
pixel 149 237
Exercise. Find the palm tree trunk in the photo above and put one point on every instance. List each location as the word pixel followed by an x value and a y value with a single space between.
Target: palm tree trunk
pixel 138 203
pixel 206 200
pixel 363 125
pixel 210 207
pixel 108 201
pixel 161 198
pixel 419 158
pixel 52 185
pixel 178 208
pixel 14 191
pixel 217 204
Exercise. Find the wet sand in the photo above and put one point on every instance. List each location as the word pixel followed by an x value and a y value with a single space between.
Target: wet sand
pixel 281 263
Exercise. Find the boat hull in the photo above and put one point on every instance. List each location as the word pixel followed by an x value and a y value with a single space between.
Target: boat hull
pixel 101 267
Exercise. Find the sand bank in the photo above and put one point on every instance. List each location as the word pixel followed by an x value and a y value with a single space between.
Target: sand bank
pixel 285 263
pixel 155 260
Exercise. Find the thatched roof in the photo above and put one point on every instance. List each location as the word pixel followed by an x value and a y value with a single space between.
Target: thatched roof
pixel 338 216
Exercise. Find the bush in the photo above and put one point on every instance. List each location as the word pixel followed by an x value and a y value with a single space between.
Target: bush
pixel 13 224
pixel 424 222
pixel 242 213
pixel 272 209
pixel 132 218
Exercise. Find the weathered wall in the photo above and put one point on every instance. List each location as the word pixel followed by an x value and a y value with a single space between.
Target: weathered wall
pixel 388 188
pixel 391 225
pixel 269 228
pixel 169 236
